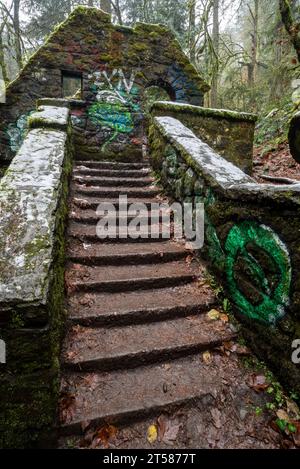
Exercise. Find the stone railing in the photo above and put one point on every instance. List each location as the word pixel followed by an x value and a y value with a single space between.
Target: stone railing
pixel 251 238
pixel 32 218
pixel 230 133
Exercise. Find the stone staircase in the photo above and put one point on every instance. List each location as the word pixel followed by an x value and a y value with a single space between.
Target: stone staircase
pixel 137 309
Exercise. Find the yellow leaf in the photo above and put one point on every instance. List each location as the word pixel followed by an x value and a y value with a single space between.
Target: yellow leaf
pixel 214 315
pixel 152 434
pixel 207 358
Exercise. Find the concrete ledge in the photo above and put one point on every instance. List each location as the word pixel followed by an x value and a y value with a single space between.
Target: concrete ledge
pixel 49 117
pixel 251 238
pixel 28 202
pixel 203 111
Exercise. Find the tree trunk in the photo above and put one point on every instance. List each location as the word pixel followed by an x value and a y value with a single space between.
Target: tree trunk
pixel 17 33
pixel 105 5
pixel 3 68
pixel 292 27
pixel 216 43
pixel 254 42
pixel 117 11
pixel 192 30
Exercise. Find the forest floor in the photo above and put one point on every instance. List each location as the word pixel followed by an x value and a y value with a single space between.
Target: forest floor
pixel 277 162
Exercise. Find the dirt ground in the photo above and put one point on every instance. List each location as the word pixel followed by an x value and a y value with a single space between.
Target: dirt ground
pixel 278 163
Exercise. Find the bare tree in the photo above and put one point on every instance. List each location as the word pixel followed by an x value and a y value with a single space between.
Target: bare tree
pixel 18 41
pixel 291 25
pixel 216 44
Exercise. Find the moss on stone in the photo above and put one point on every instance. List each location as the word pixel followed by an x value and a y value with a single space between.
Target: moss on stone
pixel 206 112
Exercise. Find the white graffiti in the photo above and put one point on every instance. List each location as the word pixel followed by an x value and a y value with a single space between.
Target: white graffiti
pixel 2 352
pixel 110 85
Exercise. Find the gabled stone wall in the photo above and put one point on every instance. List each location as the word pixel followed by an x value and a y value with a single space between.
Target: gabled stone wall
pixel 251 238
pixel 116 66
pixel 32 218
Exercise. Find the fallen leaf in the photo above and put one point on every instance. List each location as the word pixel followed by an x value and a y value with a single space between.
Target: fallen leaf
pixel 296 435
pixel 243 350
pixel 104 435
pixel 152 434
pixel 216 415
pixel 189 260
pixel 171 433
pixel 224 318
pixel 162 426
pixel 67 407
pixel 214 315
pixel 230 347
pixel 207 358
pixel 258 383
pixel 71 355
pixel 282 415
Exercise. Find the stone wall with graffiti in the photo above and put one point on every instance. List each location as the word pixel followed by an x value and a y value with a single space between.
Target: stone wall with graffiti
pixel 114 67
pixel 251 238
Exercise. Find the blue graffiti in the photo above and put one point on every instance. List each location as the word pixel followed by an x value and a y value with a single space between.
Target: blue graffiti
pixel 184 87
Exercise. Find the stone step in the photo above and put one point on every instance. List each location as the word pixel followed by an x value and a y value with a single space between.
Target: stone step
pixel 88 202
pixel 128 278
pixel 108 349
pixel 125 254
pixel 112 181
pixel 115 309
pixel 90 217
pixel 83 232
pixel 112 165
pixel 116 173
pixel 124 396
pixel 115 191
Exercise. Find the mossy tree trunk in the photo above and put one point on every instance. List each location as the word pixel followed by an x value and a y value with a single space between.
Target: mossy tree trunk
pixel 291 25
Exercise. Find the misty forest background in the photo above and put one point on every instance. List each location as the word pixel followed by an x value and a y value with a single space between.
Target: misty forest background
pixel 248 50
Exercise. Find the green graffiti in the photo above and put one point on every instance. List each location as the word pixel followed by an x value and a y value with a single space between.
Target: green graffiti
pixel 17 131
pixel 258 258
pixel 115 105
pixel 114 116
pixel 214 248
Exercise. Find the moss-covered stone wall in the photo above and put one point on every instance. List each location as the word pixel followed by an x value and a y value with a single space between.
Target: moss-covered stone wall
pixel 251 238
pixel 115 66
pixel 230 133
pixel 33 195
